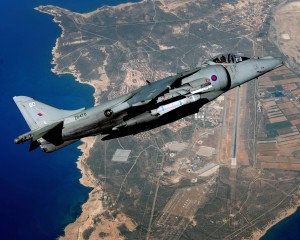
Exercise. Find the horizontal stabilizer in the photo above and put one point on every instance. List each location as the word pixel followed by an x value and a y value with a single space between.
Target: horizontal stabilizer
pixel 51 133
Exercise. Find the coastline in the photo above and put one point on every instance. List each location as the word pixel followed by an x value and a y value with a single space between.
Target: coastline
pixel 259 234
pixel 93 206
pixel 87 179
pixel 84 221
pixel 56 55
pixel 92 210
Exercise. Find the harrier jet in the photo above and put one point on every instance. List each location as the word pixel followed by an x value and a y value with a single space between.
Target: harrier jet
pixel 150 106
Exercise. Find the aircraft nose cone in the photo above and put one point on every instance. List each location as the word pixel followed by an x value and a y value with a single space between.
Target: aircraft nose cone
pixel 248 70
pixel 267 64
pixel 273 63
pixel 277 62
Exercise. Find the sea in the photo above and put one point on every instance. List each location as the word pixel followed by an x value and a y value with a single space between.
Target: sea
pixel 40 193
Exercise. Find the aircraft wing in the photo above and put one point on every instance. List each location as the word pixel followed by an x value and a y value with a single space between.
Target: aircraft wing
pixel 146 94
pixel 153 90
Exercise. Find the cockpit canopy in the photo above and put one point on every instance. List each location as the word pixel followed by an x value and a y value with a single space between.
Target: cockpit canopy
pixel 229 58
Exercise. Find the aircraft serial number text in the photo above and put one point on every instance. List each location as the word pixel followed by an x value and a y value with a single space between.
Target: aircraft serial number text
pixel 80 116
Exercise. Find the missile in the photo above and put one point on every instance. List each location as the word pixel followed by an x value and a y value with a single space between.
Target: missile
pixel 195 86
pixel 173 105
pixel 168 96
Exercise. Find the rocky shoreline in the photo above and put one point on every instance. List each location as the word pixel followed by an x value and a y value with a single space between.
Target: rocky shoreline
pixel 93 208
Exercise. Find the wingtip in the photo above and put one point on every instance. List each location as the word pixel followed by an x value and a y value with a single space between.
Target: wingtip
pixel 21 98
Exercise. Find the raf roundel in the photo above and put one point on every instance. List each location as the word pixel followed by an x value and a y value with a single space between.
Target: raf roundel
pixel 214 77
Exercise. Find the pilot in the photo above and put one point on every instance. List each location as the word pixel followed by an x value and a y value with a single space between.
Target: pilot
pixel 222 59
pixel 230 58
pixel 217 60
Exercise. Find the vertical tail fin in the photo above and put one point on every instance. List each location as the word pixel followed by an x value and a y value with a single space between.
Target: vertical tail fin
pixel 38 114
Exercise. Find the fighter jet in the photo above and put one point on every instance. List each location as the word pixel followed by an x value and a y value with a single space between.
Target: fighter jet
pixel 157 103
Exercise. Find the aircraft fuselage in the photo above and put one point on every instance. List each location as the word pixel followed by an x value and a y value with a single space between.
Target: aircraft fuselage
pixel 152 105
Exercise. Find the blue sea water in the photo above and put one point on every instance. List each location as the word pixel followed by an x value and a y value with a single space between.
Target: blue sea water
pixel 287 229
pixel 40 193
